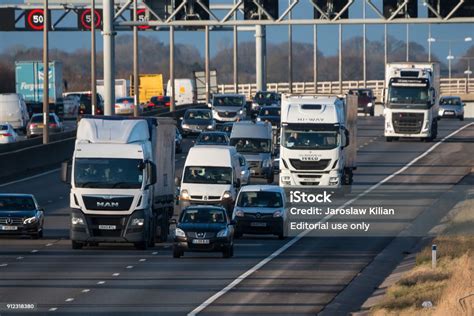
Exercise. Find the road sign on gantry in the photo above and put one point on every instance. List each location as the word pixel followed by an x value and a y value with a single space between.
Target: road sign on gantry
pixel 84 17
pixel 331 8
pixel 34 19
pixel 252 11
pixel 192 10
pixel 408 10
pixel 7 19
pixel 444 8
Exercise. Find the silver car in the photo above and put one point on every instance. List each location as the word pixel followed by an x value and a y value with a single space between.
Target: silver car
pixel 451 106
pixel 35 126
pixel 125 106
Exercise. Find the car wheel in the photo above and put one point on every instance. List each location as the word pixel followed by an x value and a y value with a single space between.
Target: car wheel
pixel 177 253
pixel 179 150
pixel 281 236
pixel 228 252
pixel 461 118
pixel 40 233
pixel 372 113
pixel 76 244
pixel 238 235
pixel 142 245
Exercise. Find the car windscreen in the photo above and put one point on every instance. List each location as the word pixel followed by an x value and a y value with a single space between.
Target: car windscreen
pixel 3 127
pixel 270 112
pixel 208 175
pixel 198 115
pixel 251 145
pixel 260 199
pixel 228 101
pixel 17 203
pixel 203 215
pixel 213 138
pixel 450 101
pixel 108 173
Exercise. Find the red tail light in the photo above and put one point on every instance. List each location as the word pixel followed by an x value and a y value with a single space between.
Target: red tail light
pixel 132 106
pixel 150 104
pixel 33 125
pixel 53 125
pixel 168 104
pixel 6 134
pixel 117 106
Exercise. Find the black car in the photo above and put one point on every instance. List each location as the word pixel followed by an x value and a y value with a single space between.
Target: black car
pixel 225 127
pixel 265 98
pixel 195 121
pixel 270 114
pixel 204 228
pixel 85 104
pixel 366 102
pixel 20 214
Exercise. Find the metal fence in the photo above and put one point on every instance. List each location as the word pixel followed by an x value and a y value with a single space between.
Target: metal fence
pixel 453 86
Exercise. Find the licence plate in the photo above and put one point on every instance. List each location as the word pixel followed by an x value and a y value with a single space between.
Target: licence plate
pixel 258 224
pixel 107 227
pixel 9 227
pixel 201 241
pixel 449 112
pixel 40 126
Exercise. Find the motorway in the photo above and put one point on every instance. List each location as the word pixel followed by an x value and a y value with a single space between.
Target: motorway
pixel 302 279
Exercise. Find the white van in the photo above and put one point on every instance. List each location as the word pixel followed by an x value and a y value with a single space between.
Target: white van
pixel 210 176
pixel 185 91
pixel 13 111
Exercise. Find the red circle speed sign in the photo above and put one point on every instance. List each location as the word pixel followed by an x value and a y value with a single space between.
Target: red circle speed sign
pixel 85 19
pixel 35 19
pixel 141 17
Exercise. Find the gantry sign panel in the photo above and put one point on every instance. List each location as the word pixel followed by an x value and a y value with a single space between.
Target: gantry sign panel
pixel 153 14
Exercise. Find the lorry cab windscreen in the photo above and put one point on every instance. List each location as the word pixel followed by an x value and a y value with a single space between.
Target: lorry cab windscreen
pixel 108 173
pixel 310 139
pixel 208 175
pixel 251 145
pixel 408 95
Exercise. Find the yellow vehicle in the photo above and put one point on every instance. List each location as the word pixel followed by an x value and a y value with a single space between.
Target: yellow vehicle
pixel 150 85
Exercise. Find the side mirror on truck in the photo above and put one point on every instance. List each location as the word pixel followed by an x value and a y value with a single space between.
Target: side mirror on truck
pixel 66 171
pixel 237 183
pixel 177 181
pixel 347 136
pixel 151 172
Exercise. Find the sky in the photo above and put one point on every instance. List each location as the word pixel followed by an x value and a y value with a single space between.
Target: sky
pixel 327 34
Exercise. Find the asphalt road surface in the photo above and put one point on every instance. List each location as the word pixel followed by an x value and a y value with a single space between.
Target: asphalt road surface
pixel 302 278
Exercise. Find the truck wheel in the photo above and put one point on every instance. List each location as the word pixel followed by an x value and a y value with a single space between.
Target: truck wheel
pixel 76 244
pixel 142 245
pixel 389 139
pixel 164 228
pixel 372 112
pixel 270 178
pixel 177 253
pixel 228 252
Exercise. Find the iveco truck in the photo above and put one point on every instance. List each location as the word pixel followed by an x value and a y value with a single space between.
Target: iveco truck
pixel 318 141
pixel 122 184
pixel 411 95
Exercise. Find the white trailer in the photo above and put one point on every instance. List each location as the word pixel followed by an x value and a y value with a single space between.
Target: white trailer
pixel 411 100
pixel 318 141
pixel 122 187
pixel 122 87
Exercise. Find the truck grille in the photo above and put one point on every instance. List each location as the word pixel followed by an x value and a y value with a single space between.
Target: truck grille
pixel 253 164
pixel 407 123
pixel 118 221
pixel 310 165
pixel 113 203
pixel 227 114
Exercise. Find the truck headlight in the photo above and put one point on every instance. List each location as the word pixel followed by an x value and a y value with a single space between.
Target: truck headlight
pixel 77 221
pixel 184 125
pixel 259 119
pixel 227 195
pixel 254 106
pixel 239 213
pixel 223 233
pixel 210 126
pixel 138 222
pixel 425 127
pixel 178 232
pixel 333 180
pixel 30 220
pixel 185 195
pixel 370 104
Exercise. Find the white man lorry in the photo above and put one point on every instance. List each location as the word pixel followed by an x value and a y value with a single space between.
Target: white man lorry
pixel 318 141
pixel 122 183
pixel 411 99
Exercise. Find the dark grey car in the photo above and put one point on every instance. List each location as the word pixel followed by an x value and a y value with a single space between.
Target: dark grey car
pixel 195 121
pixel 20 214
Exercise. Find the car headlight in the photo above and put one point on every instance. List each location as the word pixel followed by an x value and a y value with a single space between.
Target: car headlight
pixel 223 233
pixel 227 195
pixel 30 220
pixel 254 105
pixel 239 213
pixel 370 104
pixel 178 232
pixel 138 221
pixel 185 195
pixel 184 125
pixel 259 119
pixel 277 213
pixel 210 126
pixel 77 221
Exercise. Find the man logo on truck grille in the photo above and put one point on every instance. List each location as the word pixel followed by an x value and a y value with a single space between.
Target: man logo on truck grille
pixel 108 204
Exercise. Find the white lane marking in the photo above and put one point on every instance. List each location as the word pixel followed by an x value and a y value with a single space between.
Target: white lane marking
pixel 129 267
pixel 53 309
pixel 19 258
pixel 70 299
pixel 29 178
pixel 101 282
pixel 3 264
pixel 154 253
pixel 49 245
pixel 34 251
pixel 142 260
pixel 290 243
pixel 116 274
pixel 85 290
